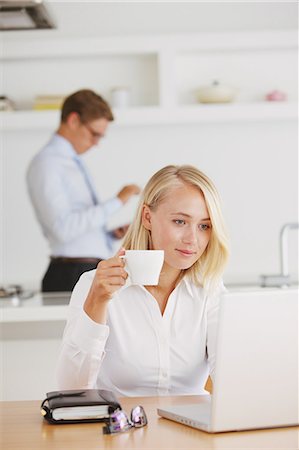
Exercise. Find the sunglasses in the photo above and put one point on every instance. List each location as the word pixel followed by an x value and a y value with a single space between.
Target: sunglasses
pixel 119 422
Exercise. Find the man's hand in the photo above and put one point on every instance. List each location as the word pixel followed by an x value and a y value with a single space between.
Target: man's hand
pixel 128 191
pixel 118 233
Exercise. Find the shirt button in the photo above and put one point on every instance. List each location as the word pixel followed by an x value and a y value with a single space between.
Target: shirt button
pixel 164 374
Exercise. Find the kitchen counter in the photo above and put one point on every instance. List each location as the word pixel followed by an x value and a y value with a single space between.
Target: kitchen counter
pixel 52 306
pixel 40 307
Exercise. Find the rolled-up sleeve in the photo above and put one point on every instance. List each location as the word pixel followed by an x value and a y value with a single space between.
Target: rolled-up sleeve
pixel 83 343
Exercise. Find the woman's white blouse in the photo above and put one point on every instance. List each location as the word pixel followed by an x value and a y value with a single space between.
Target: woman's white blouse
pixel 140 352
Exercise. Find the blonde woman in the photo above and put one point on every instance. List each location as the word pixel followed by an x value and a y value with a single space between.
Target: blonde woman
pixel 153 340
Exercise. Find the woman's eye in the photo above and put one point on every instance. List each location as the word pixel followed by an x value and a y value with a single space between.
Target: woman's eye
pixel 179 221
pixel 204 227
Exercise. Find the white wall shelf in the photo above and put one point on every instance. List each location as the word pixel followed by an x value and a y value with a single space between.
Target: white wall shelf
pixel 13 48
pixel 162 72
pixel 233 112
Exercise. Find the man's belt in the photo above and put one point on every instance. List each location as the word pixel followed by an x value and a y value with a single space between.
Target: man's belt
pixel 64 259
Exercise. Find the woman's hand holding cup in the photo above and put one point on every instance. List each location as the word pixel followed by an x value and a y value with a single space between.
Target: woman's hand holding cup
pixel 109 277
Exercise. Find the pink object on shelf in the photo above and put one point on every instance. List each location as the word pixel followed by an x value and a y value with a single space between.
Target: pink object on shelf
pixel 276 96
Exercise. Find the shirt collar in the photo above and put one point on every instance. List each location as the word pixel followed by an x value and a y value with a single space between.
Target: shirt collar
pixel 65 147
pixel 188 285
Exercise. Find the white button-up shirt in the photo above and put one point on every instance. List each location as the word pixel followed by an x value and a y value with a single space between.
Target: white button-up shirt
pixel 140 351
pixel 63 196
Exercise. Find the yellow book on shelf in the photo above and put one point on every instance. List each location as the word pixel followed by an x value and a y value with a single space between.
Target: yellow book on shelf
pixel 42 102
pixel 41 106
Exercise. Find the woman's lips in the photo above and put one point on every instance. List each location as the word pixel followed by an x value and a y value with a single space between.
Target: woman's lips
pixel 186 252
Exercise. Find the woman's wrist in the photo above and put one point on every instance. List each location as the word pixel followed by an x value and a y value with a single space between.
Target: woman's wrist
pixel 96 308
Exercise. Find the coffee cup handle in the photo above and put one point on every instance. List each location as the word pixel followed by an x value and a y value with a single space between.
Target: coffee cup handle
pixel 123 257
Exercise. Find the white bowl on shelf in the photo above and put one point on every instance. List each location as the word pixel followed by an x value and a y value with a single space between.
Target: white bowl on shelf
pixel 216 93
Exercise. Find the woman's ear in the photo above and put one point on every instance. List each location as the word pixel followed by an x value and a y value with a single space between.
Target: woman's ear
pixel 146 217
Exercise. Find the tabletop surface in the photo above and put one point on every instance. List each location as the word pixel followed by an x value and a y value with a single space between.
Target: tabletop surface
pixel 23 428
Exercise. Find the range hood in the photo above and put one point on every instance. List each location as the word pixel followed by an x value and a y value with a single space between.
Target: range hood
pixel 24 15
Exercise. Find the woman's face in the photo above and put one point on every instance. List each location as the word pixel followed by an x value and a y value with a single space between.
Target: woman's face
pixel 180 226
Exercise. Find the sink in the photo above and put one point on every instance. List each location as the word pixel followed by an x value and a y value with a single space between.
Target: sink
pixel 242 286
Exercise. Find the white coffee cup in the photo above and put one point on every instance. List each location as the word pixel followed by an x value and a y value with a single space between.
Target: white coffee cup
pixel 144 266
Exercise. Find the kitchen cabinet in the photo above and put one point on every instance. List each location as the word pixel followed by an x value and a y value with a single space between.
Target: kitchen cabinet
pixel 30 338
pixel 162 73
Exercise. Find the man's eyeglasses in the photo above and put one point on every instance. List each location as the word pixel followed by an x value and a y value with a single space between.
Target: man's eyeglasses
pixel 95 134
pixel 119 422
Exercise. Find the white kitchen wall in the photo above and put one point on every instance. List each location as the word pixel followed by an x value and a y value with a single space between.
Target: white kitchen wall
pixel 254 166
pixel 107 18
pixel 253 163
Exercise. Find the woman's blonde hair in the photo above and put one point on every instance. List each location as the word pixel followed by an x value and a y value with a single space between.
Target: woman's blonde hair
pixel 208 270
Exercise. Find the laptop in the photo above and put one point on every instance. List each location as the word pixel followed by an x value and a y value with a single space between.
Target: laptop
pixel 256 372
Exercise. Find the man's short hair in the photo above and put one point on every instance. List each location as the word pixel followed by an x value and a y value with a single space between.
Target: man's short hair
pixel 88 105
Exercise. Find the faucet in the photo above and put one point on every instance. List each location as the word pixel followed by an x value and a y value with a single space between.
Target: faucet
pixel 283 278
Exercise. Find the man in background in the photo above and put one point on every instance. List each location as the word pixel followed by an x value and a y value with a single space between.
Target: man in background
pixel 72 217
